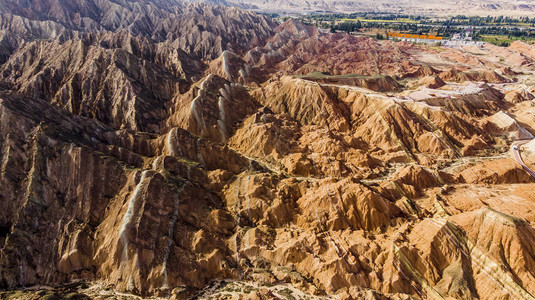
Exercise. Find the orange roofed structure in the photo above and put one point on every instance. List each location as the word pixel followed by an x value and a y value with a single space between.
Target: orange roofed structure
pixel 414 36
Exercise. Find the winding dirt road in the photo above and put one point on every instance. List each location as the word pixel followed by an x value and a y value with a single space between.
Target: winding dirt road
pixel 515 148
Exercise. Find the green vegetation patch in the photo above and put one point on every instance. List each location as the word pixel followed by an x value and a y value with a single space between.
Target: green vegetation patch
pixel 396 20
pixel 505 40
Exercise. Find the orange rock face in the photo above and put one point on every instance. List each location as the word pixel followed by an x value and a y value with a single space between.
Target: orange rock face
pixel 261 162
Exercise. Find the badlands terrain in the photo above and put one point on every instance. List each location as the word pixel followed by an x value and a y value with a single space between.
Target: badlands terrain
pixel 162 149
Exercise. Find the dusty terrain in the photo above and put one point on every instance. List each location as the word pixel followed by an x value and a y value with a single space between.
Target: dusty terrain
pixel 418 7
pixel 264 162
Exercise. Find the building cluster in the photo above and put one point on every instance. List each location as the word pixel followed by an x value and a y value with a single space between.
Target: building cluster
pixel 414 37
pixel 459 39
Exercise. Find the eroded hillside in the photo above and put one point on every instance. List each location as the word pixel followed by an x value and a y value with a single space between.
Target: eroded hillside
pixel 146 153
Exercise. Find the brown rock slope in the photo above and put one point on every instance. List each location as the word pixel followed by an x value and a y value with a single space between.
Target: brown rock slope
pixel 112 85
pixel 199 29
pixel 146 150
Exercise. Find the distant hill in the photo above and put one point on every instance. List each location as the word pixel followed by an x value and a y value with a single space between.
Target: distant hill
pixel 427 7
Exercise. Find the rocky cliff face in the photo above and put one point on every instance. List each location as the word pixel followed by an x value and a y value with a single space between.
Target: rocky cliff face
pixel 199 29
pixel 144 152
